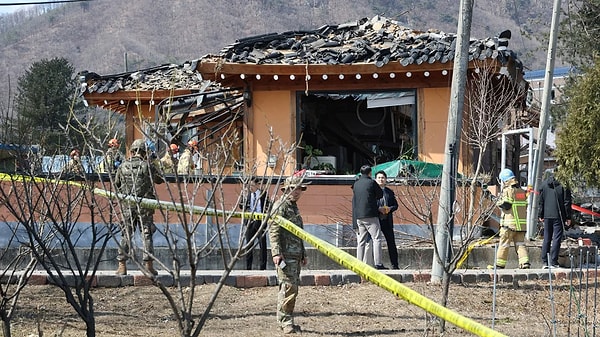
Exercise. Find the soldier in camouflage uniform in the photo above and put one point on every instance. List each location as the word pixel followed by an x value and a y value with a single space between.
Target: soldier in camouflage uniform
pixel 169 161
pixel 136 177
pixel 74 167
pixel 288 253
pixel 112 158
pixel 186 163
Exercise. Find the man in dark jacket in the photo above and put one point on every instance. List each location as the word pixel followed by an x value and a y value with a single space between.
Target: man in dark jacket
pixel 256 202
pixel 555 211
pixel 387 206
pixel 365 215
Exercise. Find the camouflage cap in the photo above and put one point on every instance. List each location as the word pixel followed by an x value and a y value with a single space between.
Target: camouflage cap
pixel 138 145
pixel 293 182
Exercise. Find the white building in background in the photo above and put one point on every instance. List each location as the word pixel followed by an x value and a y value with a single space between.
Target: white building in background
pixel 536 83
pixel 535 79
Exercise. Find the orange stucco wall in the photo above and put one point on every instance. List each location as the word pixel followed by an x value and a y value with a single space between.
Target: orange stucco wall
pixel 433 120
pixel 320 204
pixel 136 115
pixel 276 110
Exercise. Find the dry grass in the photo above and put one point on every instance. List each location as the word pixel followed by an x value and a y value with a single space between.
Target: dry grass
pixel 350 310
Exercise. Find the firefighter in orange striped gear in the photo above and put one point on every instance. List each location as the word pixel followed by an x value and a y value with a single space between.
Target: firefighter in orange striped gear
pixel 513 223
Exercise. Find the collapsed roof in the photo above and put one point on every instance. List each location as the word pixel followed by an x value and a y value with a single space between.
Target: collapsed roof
pixel 163 77
pixel 378 40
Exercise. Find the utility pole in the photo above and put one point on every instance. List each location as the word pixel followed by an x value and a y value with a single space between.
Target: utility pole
pixel 445 221
pixel 538 159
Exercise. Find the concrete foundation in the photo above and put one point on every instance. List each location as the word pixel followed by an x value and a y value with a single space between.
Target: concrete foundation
pixel 409 258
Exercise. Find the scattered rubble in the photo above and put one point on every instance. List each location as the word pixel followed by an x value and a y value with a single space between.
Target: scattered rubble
pixel 378 40
pixel 164 77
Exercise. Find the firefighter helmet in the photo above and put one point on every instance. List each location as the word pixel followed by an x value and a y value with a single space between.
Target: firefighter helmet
pixel 193 143
pixel 74 153
pixel 174 148
pixel 505 175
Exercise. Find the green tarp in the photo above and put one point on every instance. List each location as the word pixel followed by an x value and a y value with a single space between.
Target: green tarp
pixel 409 168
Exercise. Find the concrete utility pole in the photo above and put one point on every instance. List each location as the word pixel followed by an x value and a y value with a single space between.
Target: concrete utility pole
pixel 445 221
pixel 538 159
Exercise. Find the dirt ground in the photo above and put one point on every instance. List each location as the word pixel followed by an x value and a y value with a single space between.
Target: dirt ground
pixel 523 309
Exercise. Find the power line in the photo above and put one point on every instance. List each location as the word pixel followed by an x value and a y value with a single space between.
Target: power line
pixel 41 2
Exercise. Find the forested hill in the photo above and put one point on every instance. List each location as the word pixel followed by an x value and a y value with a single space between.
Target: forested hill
pixel 96 35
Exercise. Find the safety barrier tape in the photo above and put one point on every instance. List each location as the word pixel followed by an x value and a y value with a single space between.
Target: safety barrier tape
pixel 386 282
pixel 478 243
pixel 337 255
pixel 584 210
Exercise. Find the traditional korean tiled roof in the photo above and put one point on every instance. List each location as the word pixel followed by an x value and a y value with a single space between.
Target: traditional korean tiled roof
pixel 377 40
pixel 164 77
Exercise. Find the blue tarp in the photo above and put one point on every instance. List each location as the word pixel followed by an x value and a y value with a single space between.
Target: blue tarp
pixel 19 148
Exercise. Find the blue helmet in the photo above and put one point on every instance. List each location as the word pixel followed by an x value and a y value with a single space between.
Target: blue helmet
pixel 505 175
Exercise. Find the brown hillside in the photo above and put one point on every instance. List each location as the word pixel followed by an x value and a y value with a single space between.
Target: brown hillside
pixel 96 35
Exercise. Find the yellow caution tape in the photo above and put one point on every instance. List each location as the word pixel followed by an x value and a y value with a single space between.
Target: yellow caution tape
pixel 386 282
pixel 477 243
pixel 339 256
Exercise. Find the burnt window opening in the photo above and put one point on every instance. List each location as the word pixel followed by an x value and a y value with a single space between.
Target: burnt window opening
pixel 356 128
pixel 212 118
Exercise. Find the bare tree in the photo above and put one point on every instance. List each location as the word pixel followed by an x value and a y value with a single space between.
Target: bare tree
pixel 17 267
pixel 39 206
pixel 65 226
pixel 201 202
pixel 418 197
pixel 493 103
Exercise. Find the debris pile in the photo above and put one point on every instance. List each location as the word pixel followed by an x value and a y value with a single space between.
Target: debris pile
pixel 378 40
pixel 164 77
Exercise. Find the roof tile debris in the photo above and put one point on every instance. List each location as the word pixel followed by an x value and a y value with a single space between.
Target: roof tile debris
pixel 164 77
pixel 378 40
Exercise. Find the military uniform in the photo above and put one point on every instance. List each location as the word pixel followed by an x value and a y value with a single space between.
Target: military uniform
pixel 135 177
pixel 74 167
pixel 291 248
pixel 513 223
pixel 168 164
pixel 112 159
pixel 186 163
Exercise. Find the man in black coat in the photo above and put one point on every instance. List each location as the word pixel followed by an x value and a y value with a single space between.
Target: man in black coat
pixel 387 206
pixel 365 215
pixel 554 209
pixel 256 202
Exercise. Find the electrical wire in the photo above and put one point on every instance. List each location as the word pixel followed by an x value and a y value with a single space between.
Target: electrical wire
pixel 41 2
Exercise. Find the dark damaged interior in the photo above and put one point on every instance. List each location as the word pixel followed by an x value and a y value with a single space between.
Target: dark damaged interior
pixel 358 128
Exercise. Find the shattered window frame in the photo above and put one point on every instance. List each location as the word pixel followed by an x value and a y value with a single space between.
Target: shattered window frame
pixel 335 123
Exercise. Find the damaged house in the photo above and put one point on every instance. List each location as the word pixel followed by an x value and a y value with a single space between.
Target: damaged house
pixel 364 92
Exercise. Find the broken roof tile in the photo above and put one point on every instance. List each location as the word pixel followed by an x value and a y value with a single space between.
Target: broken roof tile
pixel 377 40
pixel 164 77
